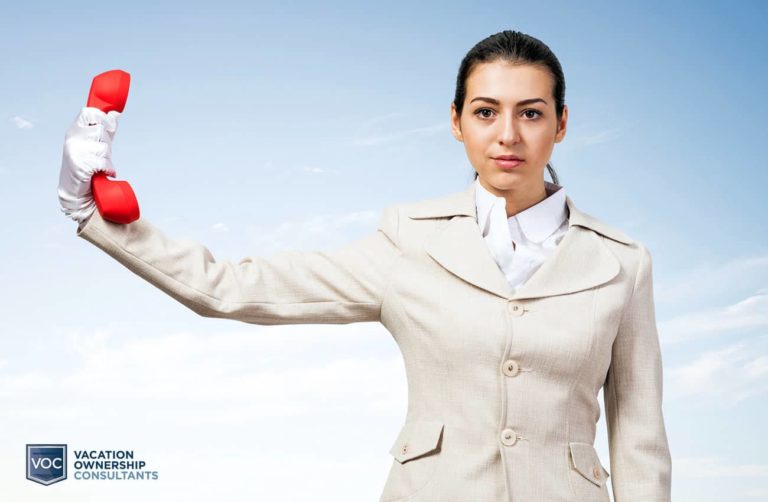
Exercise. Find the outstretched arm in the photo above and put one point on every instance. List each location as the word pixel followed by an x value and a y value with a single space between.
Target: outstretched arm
pixel 641 466
pixel 293 287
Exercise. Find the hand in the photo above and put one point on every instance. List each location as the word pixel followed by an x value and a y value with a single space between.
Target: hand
pixel 87 149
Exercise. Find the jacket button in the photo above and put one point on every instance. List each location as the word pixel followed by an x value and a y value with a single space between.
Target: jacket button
pixel 596 471
pixel 508 437
pixel 516 309
pixel 405 448
pixel 510 367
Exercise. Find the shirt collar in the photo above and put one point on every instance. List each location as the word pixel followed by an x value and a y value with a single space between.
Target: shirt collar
pixel 537 222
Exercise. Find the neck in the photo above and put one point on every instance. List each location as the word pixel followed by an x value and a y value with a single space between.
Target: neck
pixel 519 198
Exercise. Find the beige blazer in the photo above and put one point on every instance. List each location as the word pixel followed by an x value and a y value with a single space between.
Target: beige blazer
pixel 502 386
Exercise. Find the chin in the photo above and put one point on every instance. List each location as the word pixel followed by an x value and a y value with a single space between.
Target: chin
pixel 508 180
pixel 510 177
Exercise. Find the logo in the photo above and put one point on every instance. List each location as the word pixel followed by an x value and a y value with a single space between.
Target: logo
pixel 46 463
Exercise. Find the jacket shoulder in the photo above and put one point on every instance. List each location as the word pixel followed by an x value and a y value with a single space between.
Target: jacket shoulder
pixel 583 219
pixel 389 223
pixel 614 234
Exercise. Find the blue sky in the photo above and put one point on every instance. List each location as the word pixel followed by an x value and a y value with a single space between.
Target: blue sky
pixel 255 127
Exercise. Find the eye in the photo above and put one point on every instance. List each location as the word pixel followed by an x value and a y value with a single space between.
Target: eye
pixel 480 110
pixel 529 110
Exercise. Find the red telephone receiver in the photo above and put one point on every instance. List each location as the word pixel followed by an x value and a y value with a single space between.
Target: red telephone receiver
pixel 115 200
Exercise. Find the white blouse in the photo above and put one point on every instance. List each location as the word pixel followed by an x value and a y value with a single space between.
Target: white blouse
pixel 522 242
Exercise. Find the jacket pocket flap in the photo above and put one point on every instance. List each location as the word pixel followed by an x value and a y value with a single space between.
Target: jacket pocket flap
pixel 416 439
pixel 587 462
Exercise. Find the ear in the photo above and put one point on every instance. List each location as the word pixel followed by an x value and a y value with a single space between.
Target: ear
pixel 456 124
pixel 562 125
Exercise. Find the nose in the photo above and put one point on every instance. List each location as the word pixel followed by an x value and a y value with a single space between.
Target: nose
pixel 509 134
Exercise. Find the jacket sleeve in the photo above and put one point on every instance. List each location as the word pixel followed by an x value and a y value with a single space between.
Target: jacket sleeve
pixel 341 286
pixel 641 465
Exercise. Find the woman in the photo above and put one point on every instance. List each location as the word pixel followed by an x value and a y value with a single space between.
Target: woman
pixel 512 308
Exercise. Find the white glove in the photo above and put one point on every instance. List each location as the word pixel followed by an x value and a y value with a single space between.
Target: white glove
pixel 87 149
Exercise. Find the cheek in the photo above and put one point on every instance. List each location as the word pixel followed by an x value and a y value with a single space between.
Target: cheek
pixel 474 143
pixel 478 139
pixel 541 141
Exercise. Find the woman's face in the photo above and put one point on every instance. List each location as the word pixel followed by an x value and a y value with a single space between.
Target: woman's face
pixel 509 110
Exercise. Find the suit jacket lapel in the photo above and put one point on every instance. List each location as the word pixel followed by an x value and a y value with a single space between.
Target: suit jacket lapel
pixel 580 261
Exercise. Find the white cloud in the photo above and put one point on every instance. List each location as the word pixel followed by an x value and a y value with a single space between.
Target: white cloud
pixel 395 136
pixel 240 411
pixel 725 376
pixel 756 492
pixel 22 123
pixel 234 378
pixel 750 313
pixel 709 467
pixel 319 170
pixel 598 137
pixel 382 118
pixel 318 231
pixel 714 278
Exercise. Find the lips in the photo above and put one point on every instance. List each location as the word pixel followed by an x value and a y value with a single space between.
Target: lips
pixel 508 162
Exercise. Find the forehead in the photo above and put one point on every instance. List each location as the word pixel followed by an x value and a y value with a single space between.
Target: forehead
pixel 506 81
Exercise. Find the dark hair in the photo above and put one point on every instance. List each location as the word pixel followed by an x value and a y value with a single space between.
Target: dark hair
pixel 516 48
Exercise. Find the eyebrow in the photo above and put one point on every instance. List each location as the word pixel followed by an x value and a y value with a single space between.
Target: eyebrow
pixel 519 103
